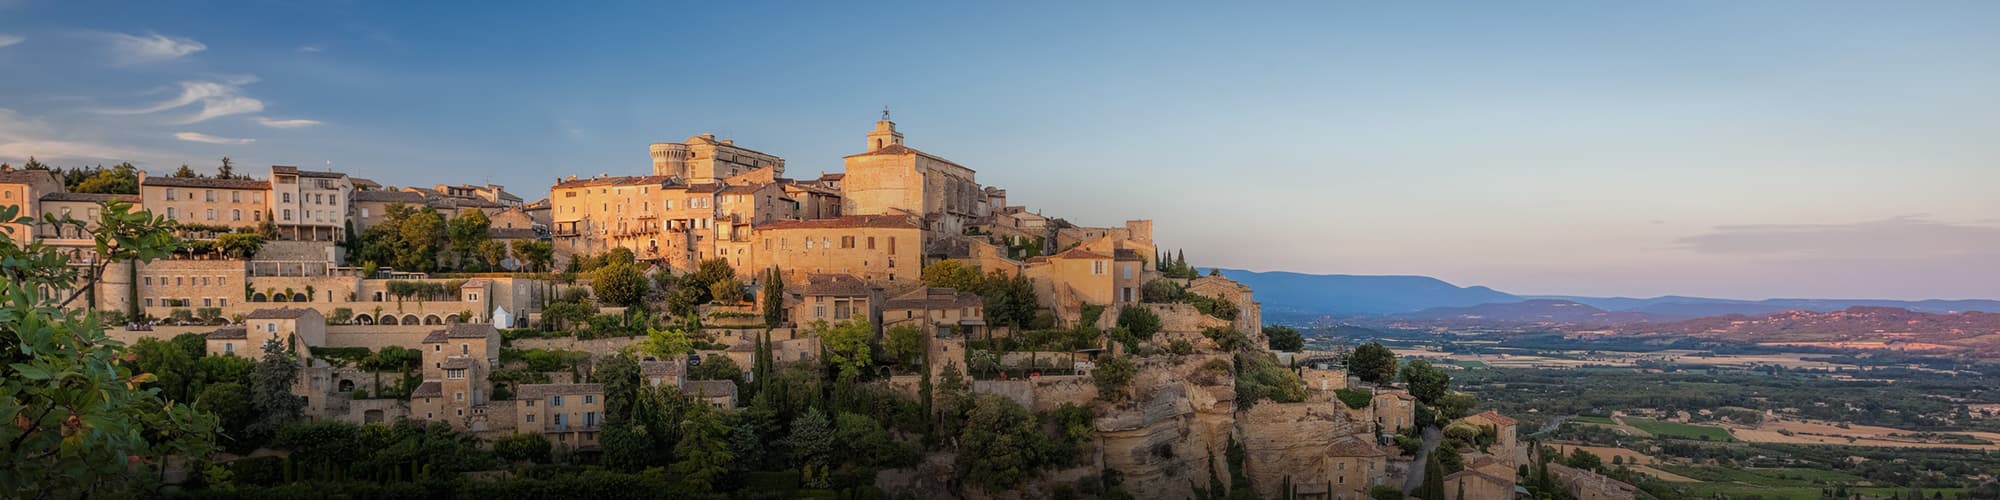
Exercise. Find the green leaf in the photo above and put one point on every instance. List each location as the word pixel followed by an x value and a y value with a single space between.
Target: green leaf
pixel 31 372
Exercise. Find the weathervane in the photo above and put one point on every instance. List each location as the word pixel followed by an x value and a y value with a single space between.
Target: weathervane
pixel 885 112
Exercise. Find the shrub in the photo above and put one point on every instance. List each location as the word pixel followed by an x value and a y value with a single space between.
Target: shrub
pixel 1354 398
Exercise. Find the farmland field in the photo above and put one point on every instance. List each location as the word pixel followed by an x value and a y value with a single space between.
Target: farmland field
pixel 1678 430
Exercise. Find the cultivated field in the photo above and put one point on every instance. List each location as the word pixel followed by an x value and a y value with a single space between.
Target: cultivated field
pixel 1810 432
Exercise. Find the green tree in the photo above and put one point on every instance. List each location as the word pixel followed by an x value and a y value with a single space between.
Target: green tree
pixel 1010 300
pixel 1432 487
pixel 76 417
pixel 717 367
pixel 846 344
pixel 953 274
pixel 1140 321
pixel 666 344
pixel 534 255
pixel 1285 338
pixel 466 231
pixel 1114 378
pixel 185 172
pixel 619 284
pixel 522 448
pixel 1372 363
pixel 904 343
pixel 271 391
pixel 812 441
pixel 421 234
pixel 703 450
pixel 493 252
pixel 773 297
pixel 1002 444
pixel 1427 383
pixel 122 178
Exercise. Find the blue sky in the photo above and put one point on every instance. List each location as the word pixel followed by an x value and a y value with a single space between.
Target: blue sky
pixel 1734 149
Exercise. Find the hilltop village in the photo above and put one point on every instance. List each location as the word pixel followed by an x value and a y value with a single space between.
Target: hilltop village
pixel 895 328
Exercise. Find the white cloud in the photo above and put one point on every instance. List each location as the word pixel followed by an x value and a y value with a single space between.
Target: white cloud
pixel 217 99
pixel 201 137
pixel 9 40
pixel 153 47
pixel 290 123
pixel 22 137
pixel 311 48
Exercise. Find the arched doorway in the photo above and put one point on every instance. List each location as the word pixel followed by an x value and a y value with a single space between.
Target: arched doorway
pixel 411 319
pixel 364 319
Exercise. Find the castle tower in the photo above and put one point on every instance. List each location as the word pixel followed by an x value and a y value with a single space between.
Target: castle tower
pixel 885 133
pixel 670 159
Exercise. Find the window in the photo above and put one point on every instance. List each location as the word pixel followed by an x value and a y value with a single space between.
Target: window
pixel 149 280
pixel 531 416
pixel 222 302
pixel 871 242
pixel 555 401
pixel 457 374
pixel 458 396
pixel 257 214
pixel 170 211
pixel 1096 267
pixel 288 214
pixel 589 399
pixel 364 211
pixel 590 419
pixel 170 194
pixel 287 198
pixel 1127 271
pixel 236 214
pixel 235 196
pixel 531 402
pixel 208 195
pixel 892 247
pixel 229 348
pixel 465 348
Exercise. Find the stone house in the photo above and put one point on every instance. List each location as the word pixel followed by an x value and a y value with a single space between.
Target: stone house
pixel 1354 464
pixel 834 298
pixel 1505 440
pixel 891 178
pixel 1394 409
pixel 1587 485
pixel 308 205
pixel 568 414
pixel 885 250
pixel 292 327
pixel 456 363
pixel 938 311
pixel 25 188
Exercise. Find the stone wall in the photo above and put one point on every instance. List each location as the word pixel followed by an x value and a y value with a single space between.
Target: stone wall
pixel 1284 440
pixel 1021 391
pixel 596 347
pixel 377 337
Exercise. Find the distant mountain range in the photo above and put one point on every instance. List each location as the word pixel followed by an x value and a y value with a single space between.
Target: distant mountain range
pixel 1287 295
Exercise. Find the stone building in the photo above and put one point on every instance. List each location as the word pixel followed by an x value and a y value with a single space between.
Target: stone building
pixel 296 328
pixel 891 178
pixel 886 250
pixel 308 205
pixel 456 362
pixel 834 298
pixel 1472 484
pixel 25 188
pixel 1394 409
pixel 938 311
pixel 1506 443
pixel 1354 464
pixel 568 414
pixel 1587 485
pixel 702 158
pixel 226 203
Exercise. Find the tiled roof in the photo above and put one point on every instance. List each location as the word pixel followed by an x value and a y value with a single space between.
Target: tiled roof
pixel 389 196
pixel 539 391
pixel 457 363
pixel 622 180
pixel 229 333
pixel 934 298
pixel 710 388
pixel 291 170
pixel 429 389
pixel 1469 474
pixel 201 182
pixel 742 189
pixel 1350 446
pixel 1080 253
pixel 280 313
pixel 659 368
pixel 92 197
pixel 833 176
pixel 541 204
pixel 838 285
pixel 24 176
pixel 850 221
pixel 1124 254
pixel 1496 417
pixel 472 331
pixel 1395 393
pixel 476 283
pixel 705 188
pixel 435 337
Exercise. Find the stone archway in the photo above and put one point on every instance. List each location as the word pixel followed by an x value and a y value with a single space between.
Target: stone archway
pixel 346 385
pixel 300 297
pixel 259 297
pixel 433 320
pixel 364 319
pixel 411 319
pixel 389 319
pixel 371 416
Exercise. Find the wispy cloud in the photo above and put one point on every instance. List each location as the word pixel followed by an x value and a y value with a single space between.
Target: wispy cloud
pixel 312 48
pixel 201 137
pixel 1910 236
pixel 291 123
pixel 7 40
pixel 217 99
pixel 22 137
pixel 151 47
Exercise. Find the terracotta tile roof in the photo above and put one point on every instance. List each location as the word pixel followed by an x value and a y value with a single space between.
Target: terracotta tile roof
pixel 200 182
pixel 280 313
pixel 475 283
pixel 833 176
pixel 622 180
pixel 1350 446
pixel 540 391
pixel 743 346
pixel 91 197
pixel 1496 417
pixel 229 333
pixel 457 363
pixel 837 285
pixel 1080 253
pixel 541 204
pixel 431 389
pixel 850 221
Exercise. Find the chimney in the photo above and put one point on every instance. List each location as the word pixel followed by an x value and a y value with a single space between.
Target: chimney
pixel 729 142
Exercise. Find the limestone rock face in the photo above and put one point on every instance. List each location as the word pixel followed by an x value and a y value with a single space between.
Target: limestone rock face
pixel 1289 440
pixel 1161 444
